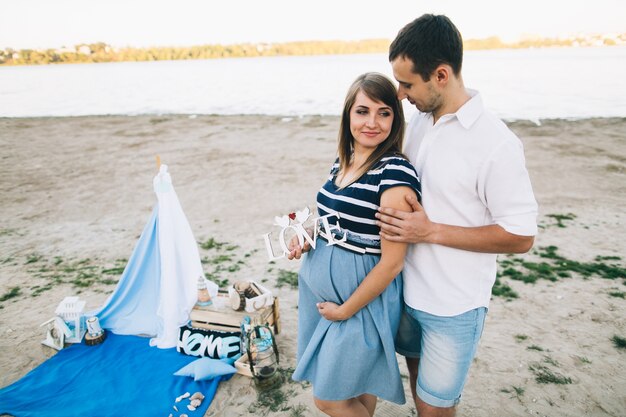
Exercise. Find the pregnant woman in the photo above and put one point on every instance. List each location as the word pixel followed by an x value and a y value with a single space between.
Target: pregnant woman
pixel 350 285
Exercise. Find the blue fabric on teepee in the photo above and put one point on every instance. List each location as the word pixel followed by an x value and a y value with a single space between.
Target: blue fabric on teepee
pixel 132 308
pixel 122 376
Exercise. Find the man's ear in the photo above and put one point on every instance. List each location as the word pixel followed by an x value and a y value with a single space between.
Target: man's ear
pixel 442 74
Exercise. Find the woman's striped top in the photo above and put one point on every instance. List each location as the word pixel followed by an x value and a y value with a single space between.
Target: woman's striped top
pixel 357 203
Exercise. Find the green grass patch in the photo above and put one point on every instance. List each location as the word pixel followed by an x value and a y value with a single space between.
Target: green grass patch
pixel 32 258
pixel 501 289
pixel 619 342
pixel 517 391
pixel 118 269
pixel 586 269
pixel 37 292
pixel 80 273
pixel 561 218
pixel 221 259
pixel 225 261
pixel 544 375
pixel 273 400
pixel 535 347
pixel 12 293
pixel 287 278
pixel 607 258
pixel 517 275
pixel 222 283
pixel 520 337
pixel 84 279
pixel 211 243
pixel 286 373
pixel 276 400
pixel 553 267
pixel 551 361
pixel 541 270
pixel 298 410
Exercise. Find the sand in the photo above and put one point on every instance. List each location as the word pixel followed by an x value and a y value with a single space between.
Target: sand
pixel 80 190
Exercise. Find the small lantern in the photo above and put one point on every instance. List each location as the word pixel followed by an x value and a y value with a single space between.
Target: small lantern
pixel 263 358
pixel 95 334
pixel 71 311
pixel 204 298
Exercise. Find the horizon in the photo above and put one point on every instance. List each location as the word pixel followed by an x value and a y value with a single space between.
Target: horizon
pixel 527 37
pixel 38 24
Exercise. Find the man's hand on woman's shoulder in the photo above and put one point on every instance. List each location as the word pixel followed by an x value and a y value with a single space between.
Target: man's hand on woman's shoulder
pixel 405 226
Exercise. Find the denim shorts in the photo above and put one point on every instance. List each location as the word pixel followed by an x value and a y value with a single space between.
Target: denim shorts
pixel 445 347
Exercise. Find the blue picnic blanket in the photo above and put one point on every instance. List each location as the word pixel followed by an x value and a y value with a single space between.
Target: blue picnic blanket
pixel 121 376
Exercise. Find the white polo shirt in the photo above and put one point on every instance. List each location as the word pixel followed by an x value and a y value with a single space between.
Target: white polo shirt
pixel 473 173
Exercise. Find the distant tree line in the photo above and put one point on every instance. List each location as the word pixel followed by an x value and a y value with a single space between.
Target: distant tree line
pixel 496 43
pixel 101 52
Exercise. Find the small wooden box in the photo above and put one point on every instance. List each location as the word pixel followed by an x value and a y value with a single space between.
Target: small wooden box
pixel 243 366
pixel 220 316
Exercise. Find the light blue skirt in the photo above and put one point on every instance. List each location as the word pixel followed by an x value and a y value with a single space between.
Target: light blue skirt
pixel 348 358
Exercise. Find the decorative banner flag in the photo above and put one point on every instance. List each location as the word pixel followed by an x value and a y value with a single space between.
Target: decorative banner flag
pixel 216 344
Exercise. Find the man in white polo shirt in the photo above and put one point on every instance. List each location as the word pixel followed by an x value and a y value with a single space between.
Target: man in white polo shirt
pixel 477 201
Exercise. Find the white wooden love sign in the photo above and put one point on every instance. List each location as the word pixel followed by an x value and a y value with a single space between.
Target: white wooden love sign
pixel 295 223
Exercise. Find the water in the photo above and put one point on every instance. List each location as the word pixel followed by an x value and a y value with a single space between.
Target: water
pixel 515 84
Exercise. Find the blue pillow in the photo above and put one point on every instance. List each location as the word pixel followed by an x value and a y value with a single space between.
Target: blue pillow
pixel 232 359
pixel 206 368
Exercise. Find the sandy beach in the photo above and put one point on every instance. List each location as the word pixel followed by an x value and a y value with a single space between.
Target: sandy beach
pixel 76 193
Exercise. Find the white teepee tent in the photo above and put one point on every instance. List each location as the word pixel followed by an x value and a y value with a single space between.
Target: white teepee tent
pixel 158 288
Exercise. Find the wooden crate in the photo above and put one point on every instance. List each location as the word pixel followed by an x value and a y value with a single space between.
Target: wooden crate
pixel 220 316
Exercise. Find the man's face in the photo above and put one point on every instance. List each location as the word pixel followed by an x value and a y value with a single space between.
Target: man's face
pixel 422 94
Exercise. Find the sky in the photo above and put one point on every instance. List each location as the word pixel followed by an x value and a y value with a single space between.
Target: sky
pixel 140 23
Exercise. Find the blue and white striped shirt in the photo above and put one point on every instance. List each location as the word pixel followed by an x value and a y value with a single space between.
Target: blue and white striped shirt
pixel 358 202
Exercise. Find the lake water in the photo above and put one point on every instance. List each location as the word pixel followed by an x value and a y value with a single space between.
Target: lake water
pixel 516 84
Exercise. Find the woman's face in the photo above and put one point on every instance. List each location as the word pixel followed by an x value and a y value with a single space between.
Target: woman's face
pixel 370 122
